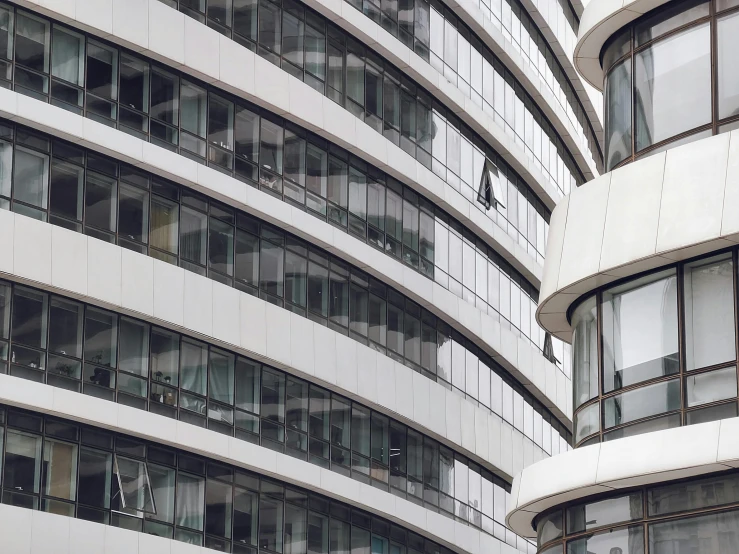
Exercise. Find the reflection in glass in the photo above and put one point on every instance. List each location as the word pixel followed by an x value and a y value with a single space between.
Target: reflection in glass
pixel 549 527
pixel 640 335
pixel 618 114
pixel 710 387
pixel 694 495
pixel 643 402
pixel 709 313
pixel 606 512
pixel 587 422
pixel 708 534
pixel 681 62
pixel 585 352
pixel 623 541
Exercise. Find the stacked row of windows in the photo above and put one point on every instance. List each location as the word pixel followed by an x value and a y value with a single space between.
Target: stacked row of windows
pixel 82 191
pixel 66 469
pixel 70 345
pixel 299 43
pixel 338 66
pixel 107 84
pixel 657 351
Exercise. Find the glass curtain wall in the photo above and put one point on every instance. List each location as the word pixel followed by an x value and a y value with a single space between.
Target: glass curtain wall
pixel 668 49
pixel 178 113
pixel 657 351
pixel 181 227
pixel 440 38
pixel 56 340
pixel 67 469
pixel 699 515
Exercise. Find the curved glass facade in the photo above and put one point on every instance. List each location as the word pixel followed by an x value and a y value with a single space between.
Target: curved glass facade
pixel 79 471
pixel 269 153
pixel 697 515
pixel 439 37
pixel 176 225
pixel 67 344
pixel 177 112
pixel 656 351
pixel 672 48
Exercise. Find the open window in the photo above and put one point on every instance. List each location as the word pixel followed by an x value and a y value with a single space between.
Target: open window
pixel 490 193
pixel 134 487
pixel 548 350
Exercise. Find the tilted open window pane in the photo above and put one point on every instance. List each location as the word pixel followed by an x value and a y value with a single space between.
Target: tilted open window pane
pixel 134 488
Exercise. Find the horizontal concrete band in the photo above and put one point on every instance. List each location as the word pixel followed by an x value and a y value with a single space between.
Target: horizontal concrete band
pixel 634 461
pixel 393 50
pixel 216 59
pixel 517 355
pixel 600 21
pixel 213 445
pixel 102 274
pixel 665 208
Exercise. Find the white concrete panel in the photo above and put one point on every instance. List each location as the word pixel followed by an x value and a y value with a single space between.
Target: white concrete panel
pixel 226 316
pixel 584 231
pixel 7 245
pixel 454 417
pixel 201 50
pixel 631 226
pixel 95 16
pixel 386 393
pixel 85 537
pixel 324 344
pixel 167 37
pixel 346 363
pixel 103 271
pixel 367 373
pixel 120 541
pixel 421 397
pixel 16 526
pixel 253 324
pixel 278 333
pixel 68 259
pixel 236 67
pixel 437 420
pixel 32 249
pixel 169 292
pixel 137 282
pixel 198 304
pixel 131 23
pixel 693 193
pixel 49 533
pixel 404 387
pixel 302 355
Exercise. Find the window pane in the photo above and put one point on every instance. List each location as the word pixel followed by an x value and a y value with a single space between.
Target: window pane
pixel 95 477
pixel 165 351
pixel 245 517
pixel 31 177
pixel 606 512
pixel 133 213
pixel 194 366
pixel 618 114
pixel 162 486
pixel 194 101
pixel 221 377
pixel 247 385
pixel 271 268
pixel 102 70
pixel 587 422
pixel 65 327
pixel 134 85
pixel 221 246
pixel 644 402
pixel 134 347
pixel 22 462
pixel 715 533
pixel 247 134
pixel 67 61
pixel 218 504
pixel 295 530
pixel 315 53
pixel 626 541
pixel 270 524
pixel 190 501
pixel 60 469
pixel 164 224
pixel 585 352
pixel 32 42
pixel 710 387
pixel 247 258
pixel 709 313
pixel 270 152
pixel 133 482
pixel 220 122
pixel 640 331
pixel 680 62
pixel 100 205
pixel 165 97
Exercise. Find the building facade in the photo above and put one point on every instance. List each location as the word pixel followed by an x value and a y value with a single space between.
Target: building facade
pixel 641 279
pixel 269 271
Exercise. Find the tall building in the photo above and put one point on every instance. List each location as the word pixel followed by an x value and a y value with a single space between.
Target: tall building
pixel 641 278
pixel 269 271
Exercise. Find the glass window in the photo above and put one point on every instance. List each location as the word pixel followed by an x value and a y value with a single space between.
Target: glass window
pixel 221 246
pixel 625 541
pixel 271 268
pixel 59 477
pixel 102 71
pixel 709 312
pixel 606 512
pixel 95 477
pixel 68 58
pixel 65 327
pixel 709 534
pixel 618 114
pixel 164 224
pixel 194 364
pixel 221 377
pixel 100 204
pixel 694 495
pixel 32 42
pixel 190 501
pixel 100 337
pixel 165 97
pixel 640 335
pixel 710 387
pixel 295 530
pixel 549 527
pixel 585 352
pixel 643 402
pixel 134 486
pixel 270 151
pixel 22 462
pixel 31 177
pixel 134 89
pixel 134 347
pixel 270 524
pixel 165 351
pixel 245 517
pixel 133 213
pixel 162 486
pixel 586 422
pixel 218 508
pixel 194 101
pixel 680 62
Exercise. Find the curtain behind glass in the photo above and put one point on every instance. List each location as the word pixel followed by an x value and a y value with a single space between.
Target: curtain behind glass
pixel 618 114
pixel 67 58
